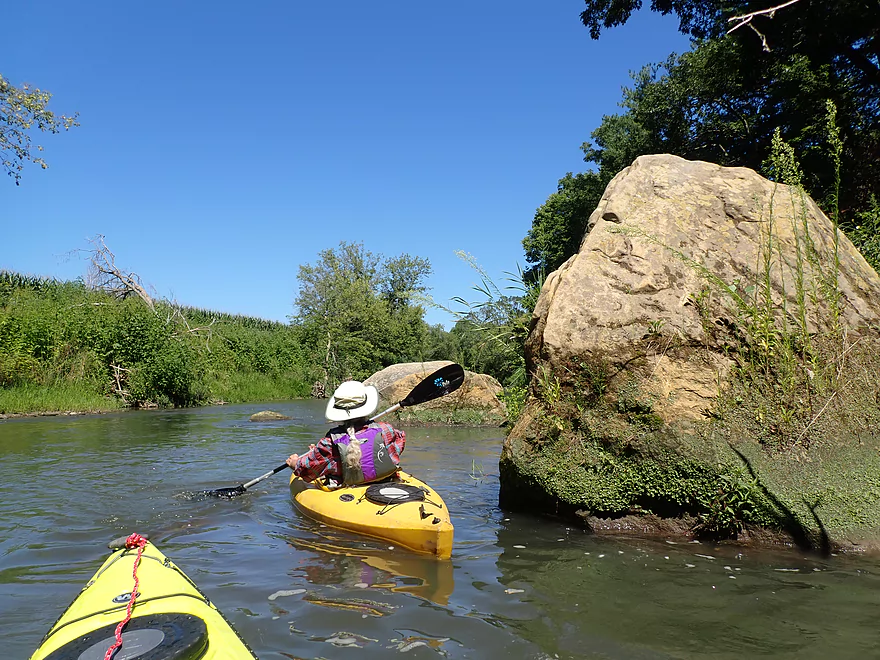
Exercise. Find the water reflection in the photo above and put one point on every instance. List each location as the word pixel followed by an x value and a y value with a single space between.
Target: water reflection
pixel 518 587
pixel 367 567
pixel 626 598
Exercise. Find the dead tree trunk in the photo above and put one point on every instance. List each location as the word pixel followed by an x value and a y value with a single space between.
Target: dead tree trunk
pixel 105 275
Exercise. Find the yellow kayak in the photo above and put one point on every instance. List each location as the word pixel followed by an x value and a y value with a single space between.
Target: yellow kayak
pixel 402 510
pixel 171 618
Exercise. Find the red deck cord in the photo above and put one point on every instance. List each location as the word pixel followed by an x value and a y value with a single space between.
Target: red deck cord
pixel 139 542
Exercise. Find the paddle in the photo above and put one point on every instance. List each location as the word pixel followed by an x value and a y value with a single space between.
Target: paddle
pixel 443 381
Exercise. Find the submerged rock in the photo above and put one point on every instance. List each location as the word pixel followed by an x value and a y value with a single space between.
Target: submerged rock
pixel 267 416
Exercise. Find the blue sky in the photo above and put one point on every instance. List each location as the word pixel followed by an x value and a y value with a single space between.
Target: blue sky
pixel 224 144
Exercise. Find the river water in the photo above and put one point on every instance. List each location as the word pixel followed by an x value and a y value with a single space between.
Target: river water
pixel 517 586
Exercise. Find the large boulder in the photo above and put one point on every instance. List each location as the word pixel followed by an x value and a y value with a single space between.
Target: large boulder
pixel 475 403
pixel 681 360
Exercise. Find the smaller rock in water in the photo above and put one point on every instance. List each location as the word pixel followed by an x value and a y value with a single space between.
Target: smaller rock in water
pixel 267 416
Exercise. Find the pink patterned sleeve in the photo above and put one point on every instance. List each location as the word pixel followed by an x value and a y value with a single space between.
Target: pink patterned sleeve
pixel 394 441
pixel 317 461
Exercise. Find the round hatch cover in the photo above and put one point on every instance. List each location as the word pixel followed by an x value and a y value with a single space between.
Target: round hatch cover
pixel 152 637
pixel 394 493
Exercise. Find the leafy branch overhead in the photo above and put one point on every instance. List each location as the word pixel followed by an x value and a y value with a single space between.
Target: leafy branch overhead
pixel 23 110
pixel 723 100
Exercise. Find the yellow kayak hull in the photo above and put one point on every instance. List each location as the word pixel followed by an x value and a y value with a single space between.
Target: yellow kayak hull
pixel 418 526
pixel 168 600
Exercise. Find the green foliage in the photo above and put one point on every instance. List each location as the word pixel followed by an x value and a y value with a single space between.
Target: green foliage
pixel 23 109
pixel 402 282
pixel 60 337
pixel 442 345
pixel 723 101
pixel 79 396
pixel 514 400
pixel 245 386
pixel 561 222
pixel 491 332
pixel 168 377
pixel 699 18
pixel 730 507
pixel 865 233
pixel 358 312
pixel 548 386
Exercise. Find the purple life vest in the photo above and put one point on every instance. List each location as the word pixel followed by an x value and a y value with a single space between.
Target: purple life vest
pixel 376 463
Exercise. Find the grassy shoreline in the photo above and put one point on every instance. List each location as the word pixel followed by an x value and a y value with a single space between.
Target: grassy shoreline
pixel 83 398
pixel 30 399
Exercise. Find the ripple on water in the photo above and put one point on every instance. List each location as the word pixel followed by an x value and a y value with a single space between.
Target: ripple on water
pixel 515 587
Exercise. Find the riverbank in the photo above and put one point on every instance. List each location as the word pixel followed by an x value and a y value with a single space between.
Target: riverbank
pixel 63 398
pixel 53 413
pixel 81 397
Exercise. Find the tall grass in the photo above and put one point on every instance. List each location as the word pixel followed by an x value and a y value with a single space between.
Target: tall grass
pixel 497 322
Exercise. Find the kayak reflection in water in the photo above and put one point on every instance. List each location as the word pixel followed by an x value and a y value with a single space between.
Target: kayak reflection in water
pixel 358 450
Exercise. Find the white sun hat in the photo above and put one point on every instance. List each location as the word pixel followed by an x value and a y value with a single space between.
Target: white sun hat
pixel 352 400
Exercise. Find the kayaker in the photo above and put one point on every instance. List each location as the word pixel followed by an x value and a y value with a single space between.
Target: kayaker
pixel 357 451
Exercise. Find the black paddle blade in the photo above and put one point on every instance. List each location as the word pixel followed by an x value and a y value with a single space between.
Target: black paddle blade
pixel 443 381
pixel 227 493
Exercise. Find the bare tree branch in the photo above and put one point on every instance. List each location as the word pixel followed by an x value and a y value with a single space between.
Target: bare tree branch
pixel 746 19
pixel 105 275
pixel 120 377
pixel 764 45
pixel 176 314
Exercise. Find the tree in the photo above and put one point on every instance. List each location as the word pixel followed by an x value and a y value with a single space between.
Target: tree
pixel 722 101
pixel 835 41
pixel 359 310
pixel 561 222
pixel 699 18
pixel 23 109
pixel 403 280
pixel 841 36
